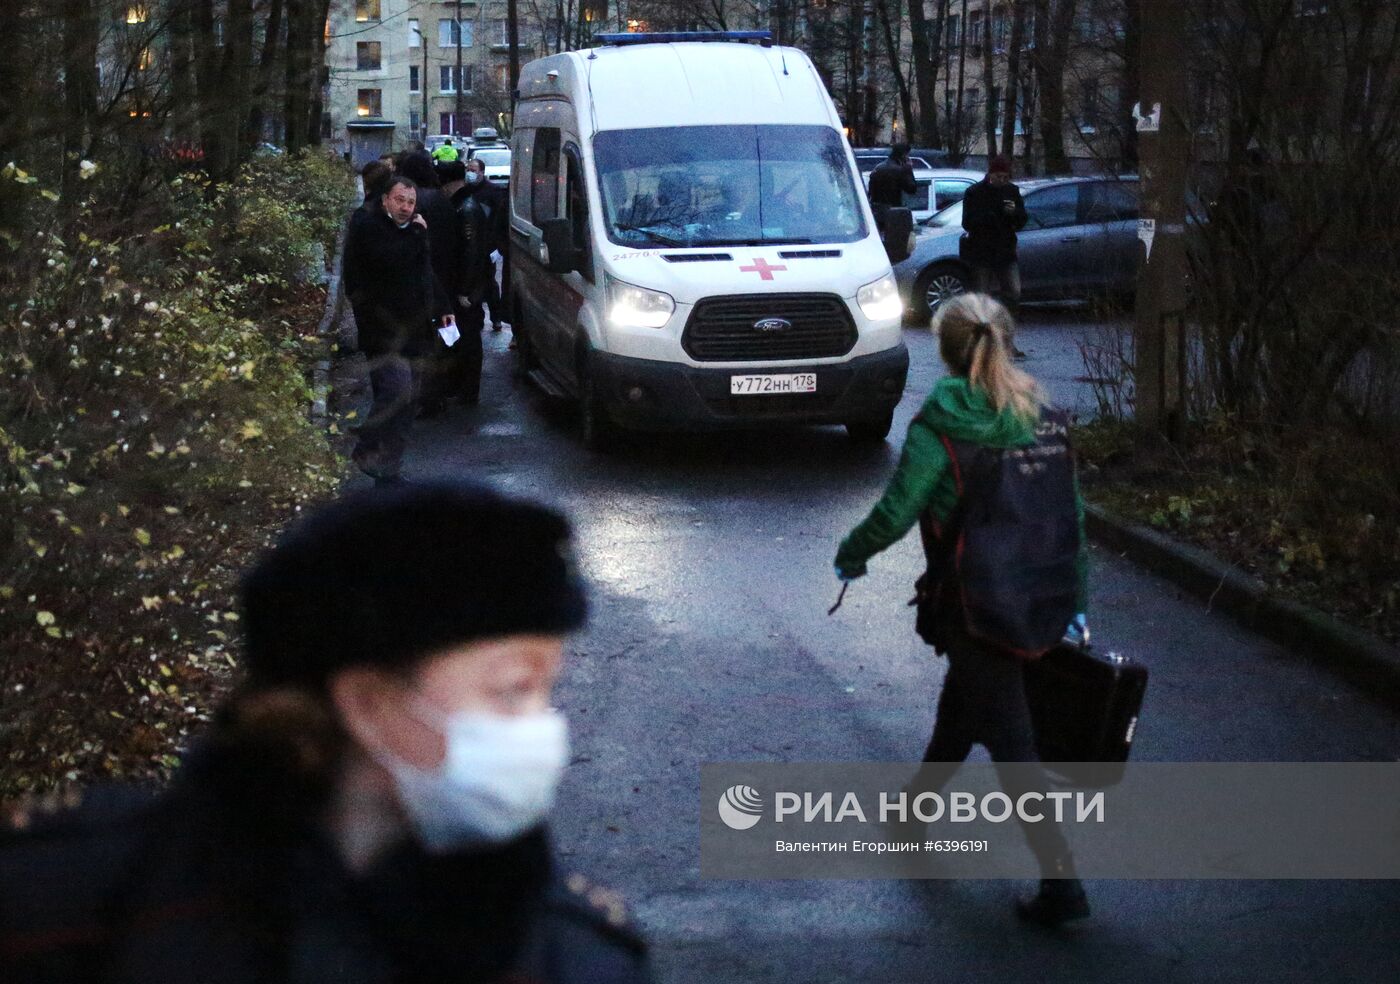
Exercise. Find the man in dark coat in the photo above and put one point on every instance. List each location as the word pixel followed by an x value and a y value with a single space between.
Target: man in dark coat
pixel 481 211
pixel 893 179
pixel 993 212
pixel 397 304
pixel 370 807
pixel 440 371
pixel 463 367
pixel 494 202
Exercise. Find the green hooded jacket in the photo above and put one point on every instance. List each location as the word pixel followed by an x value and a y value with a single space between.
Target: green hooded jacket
pixel 924 478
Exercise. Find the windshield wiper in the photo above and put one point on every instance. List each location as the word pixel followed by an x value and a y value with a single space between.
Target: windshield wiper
pixel 659 237
pixel 753 242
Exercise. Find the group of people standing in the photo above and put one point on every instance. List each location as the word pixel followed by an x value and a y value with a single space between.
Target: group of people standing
pixel 420 271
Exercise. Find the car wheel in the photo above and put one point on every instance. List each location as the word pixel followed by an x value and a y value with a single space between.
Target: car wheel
pixel 871 431
pixel 526 359
pixel 936 285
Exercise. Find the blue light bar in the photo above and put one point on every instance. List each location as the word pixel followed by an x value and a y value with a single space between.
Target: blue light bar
pixel 668 37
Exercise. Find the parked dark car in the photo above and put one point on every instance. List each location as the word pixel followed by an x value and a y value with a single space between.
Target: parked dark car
pixel 1080 241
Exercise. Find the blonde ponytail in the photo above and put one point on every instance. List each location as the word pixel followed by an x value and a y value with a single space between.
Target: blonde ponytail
pixel 974 337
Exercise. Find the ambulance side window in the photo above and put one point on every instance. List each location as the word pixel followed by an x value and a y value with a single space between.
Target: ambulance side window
pixel 520 173
pixel 544 176
pixel 576 209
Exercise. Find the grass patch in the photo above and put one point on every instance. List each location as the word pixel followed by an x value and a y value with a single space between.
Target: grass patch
pixel 1314 514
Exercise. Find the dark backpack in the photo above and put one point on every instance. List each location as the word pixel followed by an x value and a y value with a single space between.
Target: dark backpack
pixel 1002 568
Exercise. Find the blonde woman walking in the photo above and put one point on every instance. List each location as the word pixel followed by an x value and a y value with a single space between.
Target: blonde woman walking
pixel 987 473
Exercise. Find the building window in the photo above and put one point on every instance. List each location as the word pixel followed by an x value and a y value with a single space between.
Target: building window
pixel 145 60
pixel 415 34
pixel 415 121
pixel 452 34
pixel 366 10
pixel 218 32
pixel 954 30
pixel 369 102
pixel 974 29
pixel 449 123
pixel 415 82
pixel 1090 109
pixel 447 77
pixel 367 56
pixel 503 77
pixel 502 32
pixel 137 13
pixel 999 29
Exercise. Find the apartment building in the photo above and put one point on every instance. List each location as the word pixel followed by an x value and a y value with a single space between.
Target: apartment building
pixel 399 70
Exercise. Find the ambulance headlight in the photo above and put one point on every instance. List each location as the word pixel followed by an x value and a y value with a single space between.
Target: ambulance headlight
pixel 880 301
pixel 630 306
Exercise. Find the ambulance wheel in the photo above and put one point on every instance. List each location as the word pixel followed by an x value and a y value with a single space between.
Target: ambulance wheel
pixel 526 360
pixel 871 431
pixel 597 429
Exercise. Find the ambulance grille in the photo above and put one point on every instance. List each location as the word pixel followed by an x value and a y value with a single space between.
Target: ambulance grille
pixel 721 329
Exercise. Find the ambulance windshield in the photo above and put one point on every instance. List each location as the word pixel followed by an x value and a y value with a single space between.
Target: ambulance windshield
pixel 727 186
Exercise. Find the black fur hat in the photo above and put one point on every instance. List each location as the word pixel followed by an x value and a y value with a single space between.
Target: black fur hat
pixel 388 576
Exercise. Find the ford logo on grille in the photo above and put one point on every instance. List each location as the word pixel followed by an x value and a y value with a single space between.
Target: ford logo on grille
pixel 772 326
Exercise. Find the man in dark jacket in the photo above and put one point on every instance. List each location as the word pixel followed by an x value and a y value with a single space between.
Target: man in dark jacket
pixel 494 201
pixel 440 370
pixel 993 212
pixel 893 179
pixel 481 213
pixel 396 300
pixel 464 360
pixel 371 806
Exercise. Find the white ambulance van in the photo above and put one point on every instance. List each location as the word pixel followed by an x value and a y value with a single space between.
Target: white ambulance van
pixel 690 244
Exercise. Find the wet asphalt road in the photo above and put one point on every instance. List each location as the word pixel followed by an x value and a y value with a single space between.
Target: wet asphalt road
pixel 710 558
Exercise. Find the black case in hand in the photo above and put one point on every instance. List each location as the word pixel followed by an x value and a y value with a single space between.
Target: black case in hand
pixel 1085 708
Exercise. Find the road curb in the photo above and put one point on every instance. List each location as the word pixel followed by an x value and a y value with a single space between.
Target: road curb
pixel 330 318
pixel 1357 656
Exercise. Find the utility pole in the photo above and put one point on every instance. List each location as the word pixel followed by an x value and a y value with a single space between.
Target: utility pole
pixel 457 107
pixel 1159 337
pixel 423 87
pixel 513 38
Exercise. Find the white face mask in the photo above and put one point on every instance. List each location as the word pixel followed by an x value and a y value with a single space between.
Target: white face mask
pixel 497 780
pixel 473 177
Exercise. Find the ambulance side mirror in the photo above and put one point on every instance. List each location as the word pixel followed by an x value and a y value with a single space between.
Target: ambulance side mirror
pixel 560 255
pixel 897 233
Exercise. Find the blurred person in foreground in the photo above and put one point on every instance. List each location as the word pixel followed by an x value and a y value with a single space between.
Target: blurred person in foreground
pixel 370 806
pixel 988 475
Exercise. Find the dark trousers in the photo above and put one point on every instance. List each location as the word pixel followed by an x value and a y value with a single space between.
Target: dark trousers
pixel 456 370
pixel 493 298
pixel 1002 282
pixel 984 703
pixel 394 383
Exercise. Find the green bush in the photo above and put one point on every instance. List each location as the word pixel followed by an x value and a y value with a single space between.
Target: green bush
pixel 153 432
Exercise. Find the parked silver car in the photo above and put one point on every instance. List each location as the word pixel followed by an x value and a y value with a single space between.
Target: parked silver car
pixel 1080 240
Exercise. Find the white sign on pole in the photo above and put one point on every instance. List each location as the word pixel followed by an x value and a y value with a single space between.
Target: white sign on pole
pixel 1149 122
pixel 1147 231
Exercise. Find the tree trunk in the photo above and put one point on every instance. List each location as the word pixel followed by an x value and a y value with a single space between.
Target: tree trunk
pixel 80 32
pixel 956 149
pixel 1131 85
pixel 906 102
pixel 989 79
pixel 1013 79
pixel 267 70
pixel 1052 28
pixel 925 44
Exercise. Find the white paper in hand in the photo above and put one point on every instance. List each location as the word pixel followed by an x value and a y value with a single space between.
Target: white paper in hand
pixel 449 334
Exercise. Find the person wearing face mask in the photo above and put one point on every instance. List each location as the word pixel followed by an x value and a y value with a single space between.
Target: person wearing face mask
pixel 482 207
pixel 398 304
pixel 371 805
